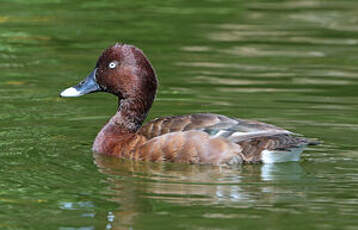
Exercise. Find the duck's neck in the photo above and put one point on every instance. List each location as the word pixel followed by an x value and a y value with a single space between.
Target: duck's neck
pixel 130 114
pixel 123 125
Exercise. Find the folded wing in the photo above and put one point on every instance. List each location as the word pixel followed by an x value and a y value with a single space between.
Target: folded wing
pixel 234 140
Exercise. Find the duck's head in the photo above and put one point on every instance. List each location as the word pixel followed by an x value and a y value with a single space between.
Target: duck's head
pixel 122 70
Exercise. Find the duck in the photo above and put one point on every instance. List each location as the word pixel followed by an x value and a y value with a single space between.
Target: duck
pixel 203 138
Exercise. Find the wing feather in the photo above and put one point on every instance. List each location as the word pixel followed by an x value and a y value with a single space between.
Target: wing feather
pixel 213 124
pixel 251 138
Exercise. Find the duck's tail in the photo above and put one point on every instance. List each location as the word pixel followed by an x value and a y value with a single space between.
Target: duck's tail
pixel 314 142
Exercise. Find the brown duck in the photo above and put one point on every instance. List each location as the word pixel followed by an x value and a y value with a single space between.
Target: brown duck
pixel 206 138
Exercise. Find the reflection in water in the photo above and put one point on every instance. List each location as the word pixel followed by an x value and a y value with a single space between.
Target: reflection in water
pixel 133 182
pixel 280 172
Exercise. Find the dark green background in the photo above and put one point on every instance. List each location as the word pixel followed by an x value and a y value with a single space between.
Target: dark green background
pixel 290 63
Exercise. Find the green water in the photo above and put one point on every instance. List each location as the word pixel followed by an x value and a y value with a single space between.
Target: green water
pixel 290 63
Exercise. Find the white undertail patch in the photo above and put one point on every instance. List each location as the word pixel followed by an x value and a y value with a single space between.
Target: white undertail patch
pixel 276 156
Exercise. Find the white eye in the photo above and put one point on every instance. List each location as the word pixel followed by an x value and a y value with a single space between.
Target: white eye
pixel 112 65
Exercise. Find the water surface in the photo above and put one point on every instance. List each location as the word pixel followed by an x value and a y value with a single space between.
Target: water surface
pixel 290 63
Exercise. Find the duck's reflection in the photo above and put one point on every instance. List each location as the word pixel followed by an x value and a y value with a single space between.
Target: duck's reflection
pixel 135 185
pixel 279 172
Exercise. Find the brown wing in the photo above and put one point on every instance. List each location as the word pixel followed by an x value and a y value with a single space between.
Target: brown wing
pixel 173 139
pixel 253 147
pixel 198 147
pixel 213 124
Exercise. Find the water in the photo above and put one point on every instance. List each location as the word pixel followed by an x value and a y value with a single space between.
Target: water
pixel 290 63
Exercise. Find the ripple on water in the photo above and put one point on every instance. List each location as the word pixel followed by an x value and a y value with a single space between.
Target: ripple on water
pixel 245 51
pixel 290 63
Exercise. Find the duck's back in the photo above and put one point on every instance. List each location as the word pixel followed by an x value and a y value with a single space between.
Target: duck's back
pixel 192 138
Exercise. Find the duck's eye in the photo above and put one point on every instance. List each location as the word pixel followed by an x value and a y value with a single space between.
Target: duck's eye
pixel 112 65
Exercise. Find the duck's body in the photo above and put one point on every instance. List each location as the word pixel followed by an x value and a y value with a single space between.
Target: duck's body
pixel 124 71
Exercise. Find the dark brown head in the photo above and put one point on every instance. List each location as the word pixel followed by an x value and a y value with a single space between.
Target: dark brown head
pixel 122 70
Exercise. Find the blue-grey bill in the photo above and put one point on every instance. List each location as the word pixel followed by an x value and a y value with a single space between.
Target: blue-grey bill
pixel 89 85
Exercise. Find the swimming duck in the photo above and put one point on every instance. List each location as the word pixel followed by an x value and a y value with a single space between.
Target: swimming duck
pixel 204 138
